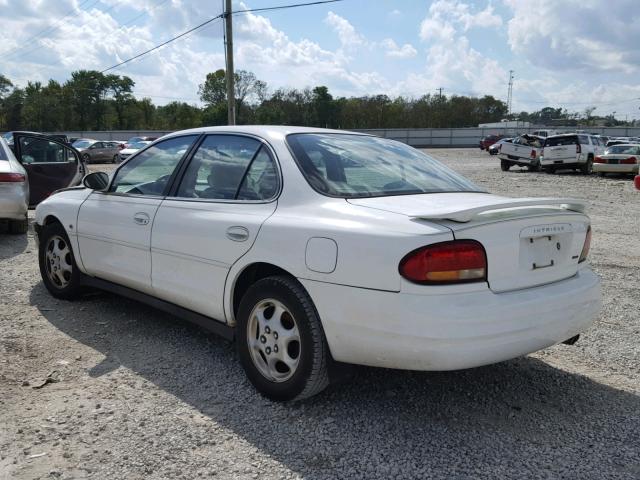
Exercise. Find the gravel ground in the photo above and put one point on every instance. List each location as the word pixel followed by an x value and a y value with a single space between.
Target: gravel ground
pixel 134 393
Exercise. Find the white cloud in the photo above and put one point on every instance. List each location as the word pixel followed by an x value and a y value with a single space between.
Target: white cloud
pixel 395 51
pixel 349 37
pixel 445 16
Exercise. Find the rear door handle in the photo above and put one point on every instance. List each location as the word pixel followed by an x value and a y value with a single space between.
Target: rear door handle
pixel 141 218
pixel 237 234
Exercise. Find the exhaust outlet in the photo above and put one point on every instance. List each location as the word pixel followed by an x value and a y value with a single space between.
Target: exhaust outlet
pixel 572 340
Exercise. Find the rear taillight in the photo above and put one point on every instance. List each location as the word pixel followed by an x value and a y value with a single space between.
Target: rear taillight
pixel 533 154
pixel 12 177
pixel 586 246
pixel 599 160
pixel 458 261
pixel 629 161
pixel 578 148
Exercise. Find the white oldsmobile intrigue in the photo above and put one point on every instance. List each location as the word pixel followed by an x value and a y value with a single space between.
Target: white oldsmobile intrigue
pixel 311 246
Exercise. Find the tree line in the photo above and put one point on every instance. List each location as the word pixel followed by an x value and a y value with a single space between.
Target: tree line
pixel 91 100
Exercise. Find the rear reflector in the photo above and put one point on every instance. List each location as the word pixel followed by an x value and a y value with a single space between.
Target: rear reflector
pixel 12 177
pixel 458 261
pixel 586 246
pixel 629 161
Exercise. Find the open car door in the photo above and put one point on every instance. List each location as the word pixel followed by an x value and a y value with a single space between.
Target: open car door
pixel 50 164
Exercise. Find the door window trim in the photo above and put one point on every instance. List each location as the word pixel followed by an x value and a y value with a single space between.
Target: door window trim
pixel 18 149
pixel 171 194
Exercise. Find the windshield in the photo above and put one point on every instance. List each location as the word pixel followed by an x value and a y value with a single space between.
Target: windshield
pixel 624 149
pixel 347 166
pixel 83 144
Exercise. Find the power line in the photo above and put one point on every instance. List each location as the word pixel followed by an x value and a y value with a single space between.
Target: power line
pixel 164 43
pixel 282 7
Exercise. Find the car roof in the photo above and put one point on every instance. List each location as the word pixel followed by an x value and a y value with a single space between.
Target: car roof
pixel 262 130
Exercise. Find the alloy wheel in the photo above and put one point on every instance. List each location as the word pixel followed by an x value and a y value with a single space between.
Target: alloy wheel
pixel 58 261
pixel 273 338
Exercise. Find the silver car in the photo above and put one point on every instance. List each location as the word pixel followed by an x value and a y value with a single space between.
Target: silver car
pixel 14 190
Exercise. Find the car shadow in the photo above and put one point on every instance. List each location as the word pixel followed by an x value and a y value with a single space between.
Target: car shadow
pixel 12 245
pixel 500 421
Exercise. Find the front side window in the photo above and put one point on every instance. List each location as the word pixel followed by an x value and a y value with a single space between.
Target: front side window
pixel 229 167
pixel 149 172
pixel 345 165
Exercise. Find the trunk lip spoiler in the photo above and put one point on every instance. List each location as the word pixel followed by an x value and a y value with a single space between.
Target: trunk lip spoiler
pixel 468 214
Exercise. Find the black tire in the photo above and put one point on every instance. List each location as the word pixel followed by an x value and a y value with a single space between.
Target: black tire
pixel 18 227
pixel 311 374
pixel 74 287
pixel 504 165
pixel 587 168
pixel 115 159
pixel 86 158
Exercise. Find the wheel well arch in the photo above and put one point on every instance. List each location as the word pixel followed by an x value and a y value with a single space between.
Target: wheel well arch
pixel 250 275
pixel 49 219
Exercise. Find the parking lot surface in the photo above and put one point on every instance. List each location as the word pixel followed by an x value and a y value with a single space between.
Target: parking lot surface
pixel 105 387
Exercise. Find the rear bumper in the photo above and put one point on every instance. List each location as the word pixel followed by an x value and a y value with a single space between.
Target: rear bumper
pixel 13 201
pixel 453 331
pixel 608 168
pixel 568 162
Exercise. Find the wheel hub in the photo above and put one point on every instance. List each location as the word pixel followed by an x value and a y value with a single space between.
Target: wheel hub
pixel 58 261
pixel 274 340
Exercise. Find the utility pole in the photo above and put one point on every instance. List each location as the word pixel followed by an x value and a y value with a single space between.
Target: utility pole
pixel 510 94
pixel 230 73
pixel 439 92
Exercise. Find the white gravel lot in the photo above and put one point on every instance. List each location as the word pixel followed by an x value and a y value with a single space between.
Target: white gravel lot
pixel 142 395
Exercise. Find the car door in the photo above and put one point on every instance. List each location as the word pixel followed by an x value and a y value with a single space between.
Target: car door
pixel 210 219
pixel 114 226
pixel 50 165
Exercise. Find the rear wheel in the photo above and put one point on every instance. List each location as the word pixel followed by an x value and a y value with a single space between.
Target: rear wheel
pixel 587 168
pixel 115 159
pixel 18 227
pixel 504 165
pixel 280 340
pixel 86 158
pixel 58 267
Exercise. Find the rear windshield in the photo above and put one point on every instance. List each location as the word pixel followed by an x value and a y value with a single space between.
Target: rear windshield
pixel 83 143
pixel 624 149
pixel 348 166
pixel 556 141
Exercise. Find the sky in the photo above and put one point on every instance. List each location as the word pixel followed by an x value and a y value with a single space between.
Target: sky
pixel 568 53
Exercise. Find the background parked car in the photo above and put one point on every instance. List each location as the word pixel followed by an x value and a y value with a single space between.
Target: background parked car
pixel 97 151
pixel 131 149
pixel 570 151
pixel 50 164
pixel 133 140
pixel 489 140
pixel 495 148
pixel 14 190
pixel 618 159
pixel 524 151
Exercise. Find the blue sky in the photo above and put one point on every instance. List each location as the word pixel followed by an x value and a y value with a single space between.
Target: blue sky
pixel 570 53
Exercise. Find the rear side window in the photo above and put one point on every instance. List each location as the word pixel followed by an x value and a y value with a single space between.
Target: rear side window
pixel 584 139
pixel 229 167
pixel 557 141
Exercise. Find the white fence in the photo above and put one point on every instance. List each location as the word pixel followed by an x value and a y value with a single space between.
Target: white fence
pixel 416 137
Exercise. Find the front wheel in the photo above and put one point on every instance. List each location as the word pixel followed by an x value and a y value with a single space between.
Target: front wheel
pixel 504 165
pixel 58 267
pixel 280 340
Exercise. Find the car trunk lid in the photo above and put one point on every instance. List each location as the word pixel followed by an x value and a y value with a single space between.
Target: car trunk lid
pixel 528 241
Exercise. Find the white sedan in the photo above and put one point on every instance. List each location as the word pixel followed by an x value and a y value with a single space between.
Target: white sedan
pixel 311 246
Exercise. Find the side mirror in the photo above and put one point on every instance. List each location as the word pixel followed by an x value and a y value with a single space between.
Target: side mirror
pixel 96 181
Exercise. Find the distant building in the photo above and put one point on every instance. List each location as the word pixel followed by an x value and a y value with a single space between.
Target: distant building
pixel 506 124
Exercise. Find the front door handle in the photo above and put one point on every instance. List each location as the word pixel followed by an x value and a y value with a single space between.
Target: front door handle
pixel 237 234
pixel 141 218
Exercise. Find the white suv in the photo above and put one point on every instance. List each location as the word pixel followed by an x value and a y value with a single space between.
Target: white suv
pixel 570 151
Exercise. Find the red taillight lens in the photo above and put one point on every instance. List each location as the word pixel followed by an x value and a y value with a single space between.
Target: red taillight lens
pixel 629 161
pixel 533 154
pixel 599 160
pixel 578 148
pixel 459 261
pixel 12 177
pixel 636 181
pixel 586 246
